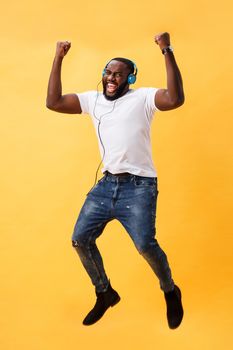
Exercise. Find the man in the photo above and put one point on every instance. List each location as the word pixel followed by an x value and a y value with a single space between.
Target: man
pixel 128 190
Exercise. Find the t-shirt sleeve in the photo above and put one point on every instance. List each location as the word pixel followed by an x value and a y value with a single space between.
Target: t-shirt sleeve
pixel 150 101
pixel 85 99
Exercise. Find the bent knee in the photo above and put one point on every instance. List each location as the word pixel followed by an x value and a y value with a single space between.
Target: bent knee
pixel 78 240
pixel 145 247
pixel 75 243
pixel 81 239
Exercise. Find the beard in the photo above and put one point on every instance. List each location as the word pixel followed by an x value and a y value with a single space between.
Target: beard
pixel 117 94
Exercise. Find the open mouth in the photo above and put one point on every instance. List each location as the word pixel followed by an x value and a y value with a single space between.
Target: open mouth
pixel 111 87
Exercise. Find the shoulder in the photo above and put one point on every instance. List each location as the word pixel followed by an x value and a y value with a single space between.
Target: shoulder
pixel 145 93
pixel 87 99
pixel 147 96
pixel 146 90
pixel 87 94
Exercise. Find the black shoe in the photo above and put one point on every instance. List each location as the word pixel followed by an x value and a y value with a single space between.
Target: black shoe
pixel 174 307
pixel 103 302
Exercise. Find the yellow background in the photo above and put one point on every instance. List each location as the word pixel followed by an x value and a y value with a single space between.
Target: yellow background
pixel 48 164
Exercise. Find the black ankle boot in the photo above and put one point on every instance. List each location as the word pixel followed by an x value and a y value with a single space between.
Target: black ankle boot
pixel 103 302
pixel 174 307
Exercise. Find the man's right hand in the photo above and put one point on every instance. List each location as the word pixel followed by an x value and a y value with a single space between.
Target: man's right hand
pixel 62 48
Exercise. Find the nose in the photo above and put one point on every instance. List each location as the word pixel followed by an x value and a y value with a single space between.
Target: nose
pixel 111 77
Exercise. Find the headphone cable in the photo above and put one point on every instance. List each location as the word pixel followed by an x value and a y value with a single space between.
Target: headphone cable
pixel 98 130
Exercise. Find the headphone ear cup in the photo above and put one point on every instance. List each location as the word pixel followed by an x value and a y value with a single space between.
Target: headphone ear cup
pixel 131 79
pixel 103 72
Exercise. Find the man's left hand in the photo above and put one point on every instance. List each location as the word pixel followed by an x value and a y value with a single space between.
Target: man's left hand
pixel 162 39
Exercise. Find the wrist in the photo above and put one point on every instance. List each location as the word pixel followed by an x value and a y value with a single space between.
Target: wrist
pixel 58 58
pixel 167 49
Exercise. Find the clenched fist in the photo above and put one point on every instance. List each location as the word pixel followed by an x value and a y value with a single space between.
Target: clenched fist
pixel 163 40
pixel 62 48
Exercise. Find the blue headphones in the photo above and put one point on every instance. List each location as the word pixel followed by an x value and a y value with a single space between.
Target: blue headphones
pixel 131 77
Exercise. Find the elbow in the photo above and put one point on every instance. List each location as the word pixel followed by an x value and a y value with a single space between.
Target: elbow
pixel 182 99
pixel 50 105
pixel 178 102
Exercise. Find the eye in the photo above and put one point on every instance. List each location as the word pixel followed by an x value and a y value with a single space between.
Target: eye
pixel 118 75
pixel 107 72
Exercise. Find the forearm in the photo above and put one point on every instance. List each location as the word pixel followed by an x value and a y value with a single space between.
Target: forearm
pixel 54 92
pixel 175 90
pixel 173 96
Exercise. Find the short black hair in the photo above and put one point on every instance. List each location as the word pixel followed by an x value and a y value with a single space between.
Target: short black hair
pixel 126 61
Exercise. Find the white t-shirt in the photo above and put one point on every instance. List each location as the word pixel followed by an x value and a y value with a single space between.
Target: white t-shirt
pixel 124 128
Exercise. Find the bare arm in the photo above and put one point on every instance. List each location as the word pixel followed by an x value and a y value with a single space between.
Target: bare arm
pixel 55 100
pixel 173 96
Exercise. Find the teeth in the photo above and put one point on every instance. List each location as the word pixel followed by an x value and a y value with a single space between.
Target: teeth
pixel 111 87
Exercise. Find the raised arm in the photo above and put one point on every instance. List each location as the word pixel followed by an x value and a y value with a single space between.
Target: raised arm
pixel 173 96
pixel 55 100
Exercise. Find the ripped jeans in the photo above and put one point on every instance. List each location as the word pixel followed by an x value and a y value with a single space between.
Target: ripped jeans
pixel 131 200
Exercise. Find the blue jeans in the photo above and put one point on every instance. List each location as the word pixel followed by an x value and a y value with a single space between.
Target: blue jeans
pixel 131 200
